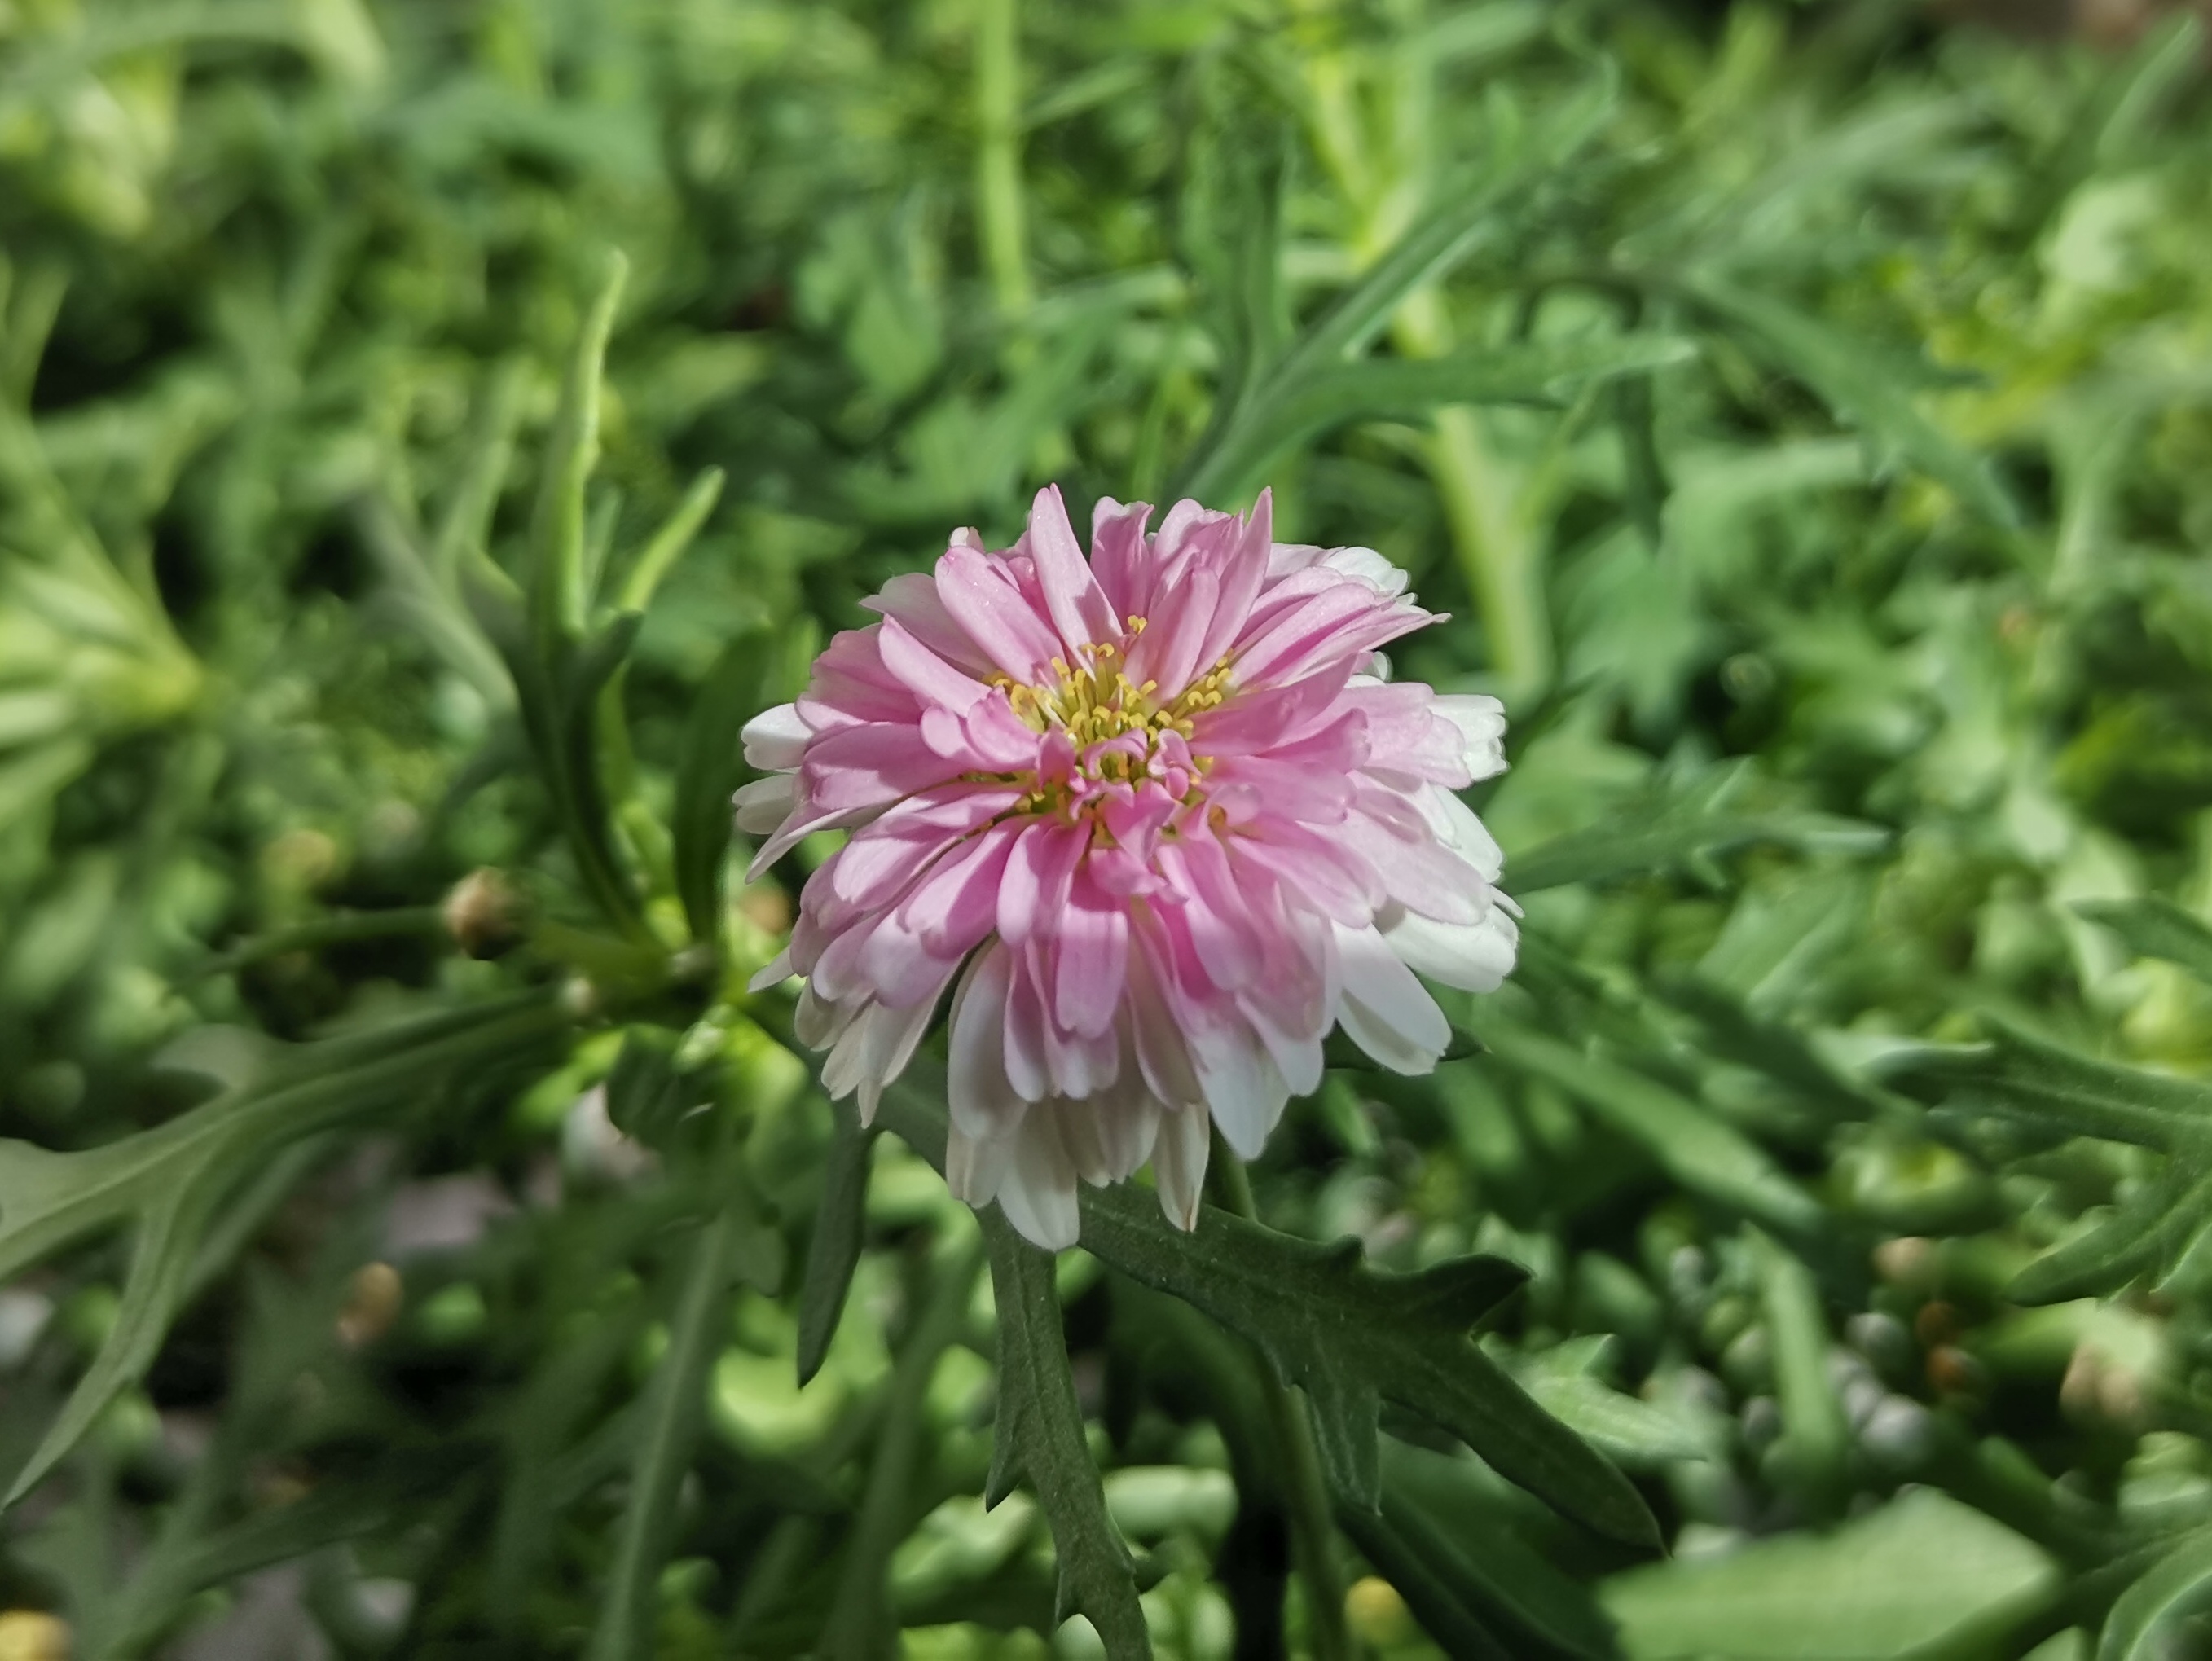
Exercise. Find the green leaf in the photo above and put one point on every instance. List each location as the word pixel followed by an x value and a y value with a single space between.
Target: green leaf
pixel 1350 1337
pixel 1863 388
pixel 1563 1381
pixel 660 555
pixel 2155 927
pixel 1678 824
pixel 646 1098
pixel 1323 399
pixel 2142 1624
pixel 707 770
pixel 1923 1576
pixel 555 582
pixel 1039 1436
pixel 168 1182
pixel 833 1250
pixel 1462 1545
pixel 1815 1434
pixel 1699 1151
pixel 2020 1075
pixel 672 1416
pixel 2147 1234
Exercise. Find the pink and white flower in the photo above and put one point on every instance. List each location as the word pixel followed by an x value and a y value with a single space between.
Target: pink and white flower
pixel 1155 820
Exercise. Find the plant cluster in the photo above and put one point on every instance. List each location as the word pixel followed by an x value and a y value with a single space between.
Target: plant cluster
pixel 429 432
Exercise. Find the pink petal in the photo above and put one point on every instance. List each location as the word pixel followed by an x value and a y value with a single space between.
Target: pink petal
pixel 1078 606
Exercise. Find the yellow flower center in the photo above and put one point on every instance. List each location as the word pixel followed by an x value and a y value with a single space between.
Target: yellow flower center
pixel 1095 702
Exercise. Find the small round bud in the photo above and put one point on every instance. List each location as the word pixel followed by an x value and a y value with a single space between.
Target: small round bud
pixel 484 913
pixel 372 1299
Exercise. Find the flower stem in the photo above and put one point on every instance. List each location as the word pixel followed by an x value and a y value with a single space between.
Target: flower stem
pixel 1305 1495
pixel 999 155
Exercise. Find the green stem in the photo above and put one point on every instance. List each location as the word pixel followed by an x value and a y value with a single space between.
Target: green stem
pixel 328 932
pixel 998 155
pixel 671 1428
pixel 860 1624
pixel 1305 1494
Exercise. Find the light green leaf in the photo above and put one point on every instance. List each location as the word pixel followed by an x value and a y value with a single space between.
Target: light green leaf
pixel 1563 1381
pixel 1699 1150
pixel 2020 1075
pixel 1678 824
pixel 555 580
pixel 1039 1437
pixel 1925 1576
pixel 1405 389
pixel 2142 1623
pixel 1865 390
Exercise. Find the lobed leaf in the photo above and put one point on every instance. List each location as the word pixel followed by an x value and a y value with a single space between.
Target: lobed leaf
pixel 1350 1337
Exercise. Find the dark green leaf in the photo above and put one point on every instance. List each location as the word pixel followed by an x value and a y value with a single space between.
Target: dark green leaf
pixel 706 772
pixel 1350 1337
pixel 833 1250
pixel 1454 1529
pixel 1039 1437
pixel 646 1098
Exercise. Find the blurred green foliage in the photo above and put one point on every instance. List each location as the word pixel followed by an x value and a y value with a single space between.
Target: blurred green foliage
pixel 416 1234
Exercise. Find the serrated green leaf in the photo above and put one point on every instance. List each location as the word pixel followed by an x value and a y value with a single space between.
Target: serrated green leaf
pixel 1682 824
pixel 1039 1437
pixel 1699 1150
pixel 1871 394
pixel 1925 1575
pixel 833 1250
pixel 2145 1235
pixel 2154 926
pixel 2142 1626
pixel 2020 1075
pixel 1348 1335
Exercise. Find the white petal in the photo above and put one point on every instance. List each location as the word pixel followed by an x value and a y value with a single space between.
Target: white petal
pixel 1037 1192
pixel 1458 829
pixel 1481 722
pixel 1386 1012
pixel 974 1169
pixel 983 1103
pixel 873 1050
pixel 1368 565
pixel 1179 1164
pixel 1111 1134
pixel 1243 1090
pixel 764 804
pixel 775 739
pixel 1475 957
pixel 774 973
